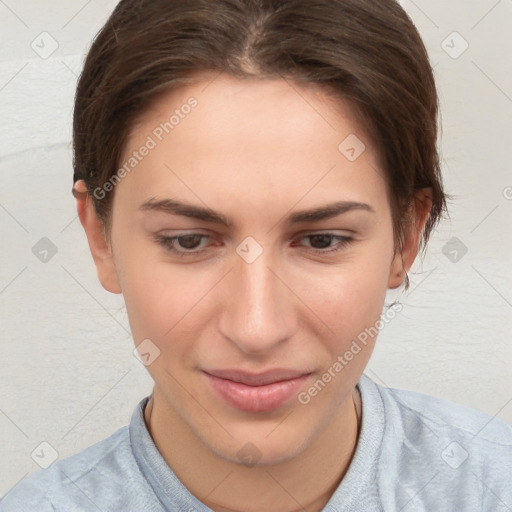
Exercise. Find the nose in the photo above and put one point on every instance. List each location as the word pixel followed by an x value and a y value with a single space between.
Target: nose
pixel 258 310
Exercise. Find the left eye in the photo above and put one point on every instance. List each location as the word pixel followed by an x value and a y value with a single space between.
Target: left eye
pixel 324 240
pixel 189 244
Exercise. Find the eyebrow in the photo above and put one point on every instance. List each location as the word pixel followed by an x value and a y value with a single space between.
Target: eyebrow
pixel 328 211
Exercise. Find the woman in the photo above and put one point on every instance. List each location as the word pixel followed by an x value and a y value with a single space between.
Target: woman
pixel 253 176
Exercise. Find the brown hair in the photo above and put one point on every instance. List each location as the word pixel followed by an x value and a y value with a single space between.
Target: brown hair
pixel 365 51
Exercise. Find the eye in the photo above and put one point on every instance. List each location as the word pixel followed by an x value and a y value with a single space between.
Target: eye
pixel 321 243
pixel 193 244
pixel 182 245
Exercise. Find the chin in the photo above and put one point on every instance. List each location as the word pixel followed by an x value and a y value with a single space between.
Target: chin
pixel 261 450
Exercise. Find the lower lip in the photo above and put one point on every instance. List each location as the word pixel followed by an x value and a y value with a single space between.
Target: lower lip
pixel 256 398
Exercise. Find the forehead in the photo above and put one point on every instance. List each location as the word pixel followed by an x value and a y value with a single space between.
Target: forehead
pixel 273 136
pixel 226 105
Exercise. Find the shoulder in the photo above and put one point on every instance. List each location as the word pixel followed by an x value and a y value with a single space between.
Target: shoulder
pixel 442 417
pixel 441 450
pixel 78 478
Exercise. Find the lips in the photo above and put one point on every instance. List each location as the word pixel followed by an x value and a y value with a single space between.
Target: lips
pixel 260 392
pixel 257 379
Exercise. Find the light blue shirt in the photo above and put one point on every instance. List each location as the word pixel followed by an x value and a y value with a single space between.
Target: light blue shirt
pixel 415 453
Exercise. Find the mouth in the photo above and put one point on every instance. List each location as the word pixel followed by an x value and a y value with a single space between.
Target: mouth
pixel 260 392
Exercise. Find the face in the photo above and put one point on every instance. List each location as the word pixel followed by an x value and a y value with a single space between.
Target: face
pixel 252 250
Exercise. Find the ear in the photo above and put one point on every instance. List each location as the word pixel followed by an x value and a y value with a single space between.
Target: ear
pixel 403 260
pixel 94 229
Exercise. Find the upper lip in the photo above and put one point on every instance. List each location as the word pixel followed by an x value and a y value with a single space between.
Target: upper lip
pixel 258 379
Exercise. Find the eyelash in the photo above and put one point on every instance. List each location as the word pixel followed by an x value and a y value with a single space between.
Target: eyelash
pixel 168 243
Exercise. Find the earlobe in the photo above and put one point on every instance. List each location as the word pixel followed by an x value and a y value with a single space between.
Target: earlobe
pixel 404 258
pixel 94 229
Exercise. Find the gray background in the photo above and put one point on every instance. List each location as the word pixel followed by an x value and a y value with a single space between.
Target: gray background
pixel 68 374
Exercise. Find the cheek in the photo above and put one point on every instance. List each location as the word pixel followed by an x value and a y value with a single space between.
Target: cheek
pixel 160 299
pixel 350 298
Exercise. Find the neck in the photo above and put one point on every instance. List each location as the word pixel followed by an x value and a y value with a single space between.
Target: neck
pixel 305 482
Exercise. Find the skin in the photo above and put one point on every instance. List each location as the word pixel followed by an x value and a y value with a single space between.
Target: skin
pixel 254 151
